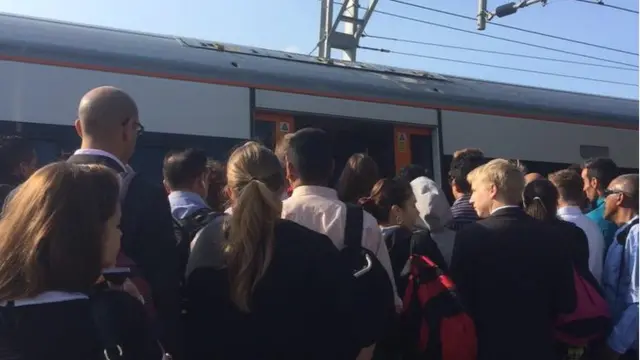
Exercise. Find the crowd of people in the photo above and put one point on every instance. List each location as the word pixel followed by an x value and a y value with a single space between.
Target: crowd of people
pixel 260 258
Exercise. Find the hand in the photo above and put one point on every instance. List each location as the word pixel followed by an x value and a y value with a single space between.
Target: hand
pixel 129 287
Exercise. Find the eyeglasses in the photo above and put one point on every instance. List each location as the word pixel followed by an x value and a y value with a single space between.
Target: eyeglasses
pixel 609 192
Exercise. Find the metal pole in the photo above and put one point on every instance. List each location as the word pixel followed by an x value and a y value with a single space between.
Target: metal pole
pixel 326 22
pixel 351 27
pixel 482 14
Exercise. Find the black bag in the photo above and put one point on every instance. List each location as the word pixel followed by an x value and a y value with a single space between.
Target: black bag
pixel 374 307
pixel 186 230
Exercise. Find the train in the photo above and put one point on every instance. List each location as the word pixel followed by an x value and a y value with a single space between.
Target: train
pixel 213 95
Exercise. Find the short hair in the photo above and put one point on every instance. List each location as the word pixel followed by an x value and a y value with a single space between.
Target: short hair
pixel 52 230
pixel 602 169
pixel 311 153
pixel 217 183
pixel 472 151
pixel 570 186
pixel 384 195
pixel 14 150
pixel 359 175
pixel 504 175
pixel 462 165
pixel 182 168
pixel 412 172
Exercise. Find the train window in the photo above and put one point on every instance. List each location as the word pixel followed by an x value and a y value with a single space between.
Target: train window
pixel 592 151
pixel 422 152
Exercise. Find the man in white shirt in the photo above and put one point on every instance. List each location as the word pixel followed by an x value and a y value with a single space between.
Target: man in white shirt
pixel 569 185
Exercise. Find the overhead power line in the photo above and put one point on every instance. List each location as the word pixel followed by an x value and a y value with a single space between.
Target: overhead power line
pixel 398 16
pixel 497 66
pixel 515 27
pixel 601 3
pixel 409 41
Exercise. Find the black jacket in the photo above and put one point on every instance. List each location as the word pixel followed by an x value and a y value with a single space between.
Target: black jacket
pixel 514 275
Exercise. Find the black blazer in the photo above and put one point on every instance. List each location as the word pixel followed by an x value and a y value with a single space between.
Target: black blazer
pixel 514 275
pixel 148 238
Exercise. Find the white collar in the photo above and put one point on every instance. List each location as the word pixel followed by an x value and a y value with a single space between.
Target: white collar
pixel 99 152
pixel 48 297
pixel 569 210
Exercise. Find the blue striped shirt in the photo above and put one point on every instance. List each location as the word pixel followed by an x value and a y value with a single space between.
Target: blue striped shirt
pixel 463 213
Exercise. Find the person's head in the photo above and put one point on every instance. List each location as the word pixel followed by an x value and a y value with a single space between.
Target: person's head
pixel 108 120
pixel 596 176
pixel 520 165
pixel 392 202
pixel 216 197
pixel 18 159
pixel 412 172
pixel 59 230
pixel 358 177
pixel 621 199
pixel 468 151
pixel 495 184
pixel 569 185
pixel 186 171
pixel 310 158
pixel 532 177
pixel 540 200
pixel 460 167
pixel 255 182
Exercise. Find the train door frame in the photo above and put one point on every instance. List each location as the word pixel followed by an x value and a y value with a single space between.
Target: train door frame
pixel 283 123
pixel 402 140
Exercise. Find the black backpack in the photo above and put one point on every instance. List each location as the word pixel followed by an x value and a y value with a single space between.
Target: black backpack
pixel 374 307
pixel 186 230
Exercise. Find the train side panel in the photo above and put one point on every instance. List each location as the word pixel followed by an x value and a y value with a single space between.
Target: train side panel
pixel 41 94
pixel 535 140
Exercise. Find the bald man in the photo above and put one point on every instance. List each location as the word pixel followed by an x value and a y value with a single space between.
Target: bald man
pixel 108 124
pixel 621 268
pixel 532 177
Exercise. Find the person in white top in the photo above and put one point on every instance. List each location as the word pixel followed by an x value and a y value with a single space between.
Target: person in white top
pixel 569 185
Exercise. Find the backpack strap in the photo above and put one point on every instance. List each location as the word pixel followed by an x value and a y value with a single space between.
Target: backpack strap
pixel 107 332
pixel 353 226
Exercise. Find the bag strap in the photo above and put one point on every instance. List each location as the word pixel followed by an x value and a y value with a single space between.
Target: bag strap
pixel 106 329
pixel 353 226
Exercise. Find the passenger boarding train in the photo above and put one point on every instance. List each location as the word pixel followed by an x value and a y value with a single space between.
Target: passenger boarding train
pixel 211 95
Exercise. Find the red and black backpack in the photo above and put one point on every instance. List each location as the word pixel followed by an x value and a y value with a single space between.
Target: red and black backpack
pixel 434 323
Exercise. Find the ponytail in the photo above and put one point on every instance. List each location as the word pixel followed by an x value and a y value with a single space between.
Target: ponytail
pixel 540 200
pixel 251 239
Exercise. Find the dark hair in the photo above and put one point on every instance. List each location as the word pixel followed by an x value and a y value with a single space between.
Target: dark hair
pixel 569 185
pixel 182 168
pixel 52 230
pixel 540 199
pixel 311 153
pixel 14 150
pixel 384 194
pixel 359 175
pixel 216 198
pixel 577 168
pixel 462 165
pixel 602 169
pixel 412 172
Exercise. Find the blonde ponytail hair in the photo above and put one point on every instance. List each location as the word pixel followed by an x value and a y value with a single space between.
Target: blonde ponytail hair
pixel 255 179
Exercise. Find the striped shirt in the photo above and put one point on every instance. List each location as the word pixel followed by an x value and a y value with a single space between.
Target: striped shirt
pixel 463 213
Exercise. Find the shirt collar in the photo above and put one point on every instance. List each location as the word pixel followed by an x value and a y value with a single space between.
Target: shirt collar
pixel 569 210
pixel 97 152
pixel 504 207
pixel 623 227
pixel 321 191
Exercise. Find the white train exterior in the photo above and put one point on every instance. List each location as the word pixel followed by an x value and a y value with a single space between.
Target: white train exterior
pixel 192 92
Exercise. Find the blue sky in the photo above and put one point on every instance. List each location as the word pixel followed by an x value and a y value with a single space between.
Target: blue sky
pixel 293 25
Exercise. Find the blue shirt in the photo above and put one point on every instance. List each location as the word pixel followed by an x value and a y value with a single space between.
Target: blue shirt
pixel 607 227
pixel 621 291
pixel 463 213
pixel 185 203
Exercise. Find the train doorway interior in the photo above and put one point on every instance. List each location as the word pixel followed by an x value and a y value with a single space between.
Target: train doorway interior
pixel 393 147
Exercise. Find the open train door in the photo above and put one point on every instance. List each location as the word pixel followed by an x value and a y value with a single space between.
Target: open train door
pixel 269 128
pixel 413 145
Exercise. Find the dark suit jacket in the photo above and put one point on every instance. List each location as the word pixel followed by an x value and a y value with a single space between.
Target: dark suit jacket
pixel 149 240
pixel 514 276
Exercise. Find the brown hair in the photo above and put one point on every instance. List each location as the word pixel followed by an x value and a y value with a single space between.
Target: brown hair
pixel 569 184
pixel 385 194
pixel 52 230
pixel 255 178
pixel 216 198
pixel 470 151
pixel 357 178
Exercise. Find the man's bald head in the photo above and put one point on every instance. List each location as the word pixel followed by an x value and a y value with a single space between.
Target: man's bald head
pixel 628 185
pixel 104 110
pixel 532 177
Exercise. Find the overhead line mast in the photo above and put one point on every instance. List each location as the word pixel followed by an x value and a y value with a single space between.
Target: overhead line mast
pixel 349 39
pixel 501 11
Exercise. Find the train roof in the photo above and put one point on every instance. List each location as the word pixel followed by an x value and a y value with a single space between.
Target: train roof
pixel 90 47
